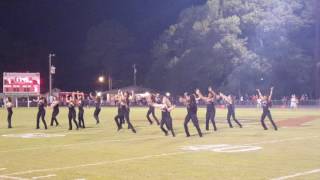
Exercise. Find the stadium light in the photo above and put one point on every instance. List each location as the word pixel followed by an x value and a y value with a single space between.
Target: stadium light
pixel 101 79
pixel 99 94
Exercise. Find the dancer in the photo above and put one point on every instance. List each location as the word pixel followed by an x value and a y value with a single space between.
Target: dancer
pixel 55 112
pixel 42 103
pixel 72 112
pixel 124 111
pixel 166 108
pixel 211 110
pixel 97 103
pixel 231 109
pixel 81 105
pixel 151 99
pixel 191 103
pixel 266 105
pixel 9 107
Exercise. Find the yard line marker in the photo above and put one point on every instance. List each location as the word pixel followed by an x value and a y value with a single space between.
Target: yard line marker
pixel 98 163
pixel 42 177
pixel 282 140
pixel 84 143
pixel 11 177
pixel 297 174
pixel 141 158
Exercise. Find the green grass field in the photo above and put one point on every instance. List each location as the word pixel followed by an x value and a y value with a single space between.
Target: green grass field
pixel 100 152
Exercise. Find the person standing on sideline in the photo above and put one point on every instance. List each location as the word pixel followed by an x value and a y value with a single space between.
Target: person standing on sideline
pixel 231 109
pixel 55 111
pixel 266 105
pixel 42 103
pixel 9 107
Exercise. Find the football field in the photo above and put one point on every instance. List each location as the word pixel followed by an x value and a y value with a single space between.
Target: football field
pixel 100 152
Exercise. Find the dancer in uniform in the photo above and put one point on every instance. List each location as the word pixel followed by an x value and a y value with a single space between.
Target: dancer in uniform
pixel 124 111
pixel 231 109
pixel 151 99
pixel 97 103
pixel 211 110
pixel 55 111
pixel 42 103
pixel 81 105
pixel 72 112
pixel 192 108
pixel 9 107
pixel 166 108
pixel 266 105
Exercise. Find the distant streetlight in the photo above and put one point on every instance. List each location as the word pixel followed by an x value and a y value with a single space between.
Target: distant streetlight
pixel 101 79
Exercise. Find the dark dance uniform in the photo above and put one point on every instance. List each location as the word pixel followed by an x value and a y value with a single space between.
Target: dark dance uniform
pixel 152 112
pixel 72 116
pixel 97 111
pixel 166 120
pixel 231 112
pixel 81 114
pixel 10 112
pixel 266 113
pixel 210 115
pixel 119 118
pixel 55 113
pixel 41 114
pixel 192 115
pixel 123 113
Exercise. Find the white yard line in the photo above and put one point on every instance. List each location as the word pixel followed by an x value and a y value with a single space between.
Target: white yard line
pixel 281 140
pixel 97 163
pixel 143 157
pixel 43 177
pixel 79 144
pixel 297 174
pixel 11 177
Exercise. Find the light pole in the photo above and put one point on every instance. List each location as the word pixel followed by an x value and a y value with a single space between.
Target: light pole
pixel 134 75
pixel 51 69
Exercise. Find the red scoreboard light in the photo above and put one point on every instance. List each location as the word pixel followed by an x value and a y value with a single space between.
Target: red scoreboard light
pixel 24 84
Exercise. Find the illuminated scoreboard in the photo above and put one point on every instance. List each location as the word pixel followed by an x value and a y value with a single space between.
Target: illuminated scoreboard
pixel 24 84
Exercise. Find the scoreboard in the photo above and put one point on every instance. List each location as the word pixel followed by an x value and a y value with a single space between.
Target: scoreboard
pixel 24 84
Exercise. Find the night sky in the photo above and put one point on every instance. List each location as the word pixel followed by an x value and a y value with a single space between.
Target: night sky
pixel 30 30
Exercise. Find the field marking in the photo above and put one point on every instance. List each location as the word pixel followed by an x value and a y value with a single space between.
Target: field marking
pixel 140 158
pixel 43 177
pixel 97 163
pixel 77 144
pixel 11 177
pixel 297 175
pixel 282 140
pixel 2 169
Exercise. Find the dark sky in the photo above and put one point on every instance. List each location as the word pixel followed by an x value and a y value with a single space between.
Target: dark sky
pixel 30 29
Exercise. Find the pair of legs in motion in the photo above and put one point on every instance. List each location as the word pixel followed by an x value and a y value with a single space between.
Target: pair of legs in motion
pixel 166 120
pixel 124 115
pixel 72 117
pixel 195 122
pixel 151 111
pixel 267 113
pixel 41 114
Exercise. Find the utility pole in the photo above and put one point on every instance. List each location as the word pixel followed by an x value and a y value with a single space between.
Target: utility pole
pixel 51 71
pixel 134 75
pixel 317 48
